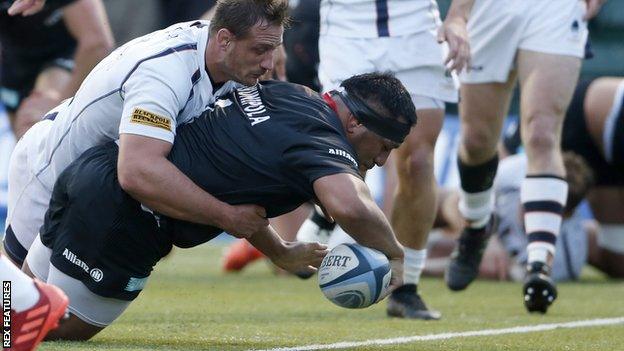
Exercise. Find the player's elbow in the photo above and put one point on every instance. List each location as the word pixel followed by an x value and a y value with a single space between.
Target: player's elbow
pixel 131 176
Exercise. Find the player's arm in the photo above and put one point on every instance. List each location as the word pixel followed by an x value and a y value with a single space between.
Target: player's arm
pixel 294 257
pixel 346 198
pixel 86 21
pixel 26 7
pixel 454 32
pixel 147 175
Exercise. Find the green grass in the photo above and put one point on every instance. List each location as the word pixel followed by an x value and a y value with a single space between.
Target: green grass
pixel 190 305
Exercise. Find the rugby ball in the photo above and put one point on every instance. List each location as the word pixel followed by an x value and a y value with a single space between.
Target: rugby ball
pixel 354 276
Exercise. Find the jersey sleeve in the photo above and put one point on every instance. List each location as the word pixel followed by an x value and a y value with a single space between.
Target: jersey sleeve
pixel 154 94
pixel 316 157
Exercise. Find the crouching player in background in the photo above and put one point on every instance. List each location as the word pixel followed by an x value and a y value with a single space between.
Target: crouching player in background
pixel 275 145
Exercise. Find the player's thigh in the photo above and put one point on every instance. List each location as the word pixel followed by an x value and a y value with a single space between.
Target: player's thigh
pixel 604 105
pixel 547 83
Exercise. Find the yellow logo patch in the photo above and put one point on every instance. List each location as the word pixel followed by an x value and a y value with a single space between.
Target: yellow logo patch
pixel 150 119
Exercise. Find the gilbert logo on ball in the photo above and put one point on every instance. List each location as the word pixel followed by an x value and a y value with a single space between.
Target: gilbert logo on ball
pixel 354 276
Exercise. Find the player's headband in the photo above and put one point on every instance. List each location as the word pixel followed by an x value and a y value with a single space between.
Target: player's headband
pixel 385 127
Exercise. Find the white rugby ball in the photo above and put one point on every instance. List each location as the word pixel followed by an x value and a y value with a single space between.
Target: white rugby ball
pixel 354 276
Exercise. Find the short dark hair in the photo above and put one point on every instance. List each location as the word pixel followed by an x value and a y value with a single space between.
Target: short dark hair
pixel 239 16
pixel 580 179
pixel 383 90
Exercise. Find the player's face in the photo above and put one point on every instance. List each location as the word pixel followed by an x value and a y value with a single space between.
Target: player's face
pixel 251 56
pixel 372 150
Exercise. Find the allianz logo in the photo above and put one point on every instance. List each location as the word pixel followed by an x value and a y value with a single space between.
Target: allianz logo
pixel 343 154
pixel 96 274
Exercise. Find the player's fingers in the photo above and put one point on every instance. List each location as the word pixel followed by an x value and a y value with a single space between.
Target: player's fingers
pixel 18 6
pixel 592 9
pixel 260 211
pixel 441 35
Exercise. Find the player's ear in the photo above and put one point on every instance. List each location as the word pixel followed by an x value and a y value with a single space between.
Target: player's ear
pixel 224 37
pixel 352 123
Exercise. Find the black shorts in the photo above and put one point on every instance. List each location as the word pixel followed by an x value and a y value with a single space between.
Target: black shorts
pixel 19 75
pixel 98 233
pixel 576 138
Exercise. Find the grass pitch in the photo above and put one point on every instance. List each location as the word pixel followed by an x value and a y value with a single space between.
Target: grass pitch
pixel 189 304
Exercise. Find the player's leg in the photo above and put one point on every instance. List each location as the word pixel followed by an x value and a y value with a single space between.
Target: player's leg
pixel 604 117
pixel 547 84
pixel 36 307
pixel 482 110
pixel 414 209
pixel 44 96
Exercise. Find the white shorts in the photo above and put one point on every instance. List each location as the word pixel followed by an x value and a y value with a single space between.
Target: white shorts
pixel 415 59
pixel 499 28
pixel 28 198
pixel 89 307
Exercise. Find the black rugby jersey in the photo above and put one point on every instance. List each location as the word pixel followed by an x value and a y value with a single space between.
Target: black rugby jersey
pixel 262 145
pixel 38 36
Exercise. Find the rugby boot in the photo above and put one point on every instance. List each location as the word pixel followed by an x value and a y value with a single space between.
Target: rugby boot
pixel 539 290
pixel 239 255
pixel 405 302
pixel 466 257
pixel 30 326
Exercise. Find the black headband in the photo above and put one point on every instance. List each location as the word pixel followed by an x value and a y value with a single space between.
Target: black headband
pixel 385 127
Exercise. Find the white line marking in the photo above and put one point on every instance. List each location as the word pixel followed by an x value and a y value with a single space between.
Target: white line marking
pixel 408 339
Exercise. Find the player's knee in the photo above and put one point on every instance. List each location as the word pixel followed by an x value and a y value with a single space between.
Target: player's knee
pixel 73 329
pixel 420 163
pixel 541 139
pixel 478 142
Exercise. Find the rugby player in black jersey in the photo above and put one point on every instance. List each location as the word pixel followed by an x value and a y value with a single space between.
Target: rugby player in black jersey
pixel 276 145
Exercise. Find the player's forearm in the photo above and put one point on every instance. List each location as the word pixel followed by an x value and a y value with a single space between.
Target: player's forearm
pixel 88 54
pixel 367 224
pixel 162 187
pixel 268 242
pixel 460 9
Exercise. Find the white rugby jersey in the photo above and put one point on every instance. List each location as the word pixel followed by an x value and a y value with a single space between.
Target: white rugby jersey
pixel 146 87
pixel 378 18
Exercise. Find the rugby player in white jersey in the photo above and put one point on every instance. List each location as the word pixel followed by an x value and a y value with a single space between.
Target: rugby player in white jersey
pixel 403 37
pixel 139 94
pixel 541 44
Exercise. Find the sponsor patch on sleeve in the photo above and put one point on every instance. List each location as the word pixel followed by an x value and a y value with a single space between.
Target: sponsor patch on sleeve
pixel 150 119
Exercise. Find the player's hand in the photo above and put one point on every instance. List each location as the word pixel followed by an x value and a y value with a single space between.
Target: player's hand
pixel 593 7
pixel 32 110
pixel 242 221
pixel 396 280
pixel 300 257
pixel 26 7
pixel 454 32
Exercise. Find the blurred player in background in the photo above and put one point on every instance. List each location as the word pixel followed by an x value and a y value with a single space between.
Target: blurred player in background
pixel 541 43
pixel 403 37
pixel 46 56
pixel 139 94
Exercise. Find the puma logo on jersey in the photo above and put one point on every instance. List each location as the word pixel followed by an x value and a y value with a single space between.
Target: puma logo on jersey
pixel 150 119
pixel 343 154
pixel 252 105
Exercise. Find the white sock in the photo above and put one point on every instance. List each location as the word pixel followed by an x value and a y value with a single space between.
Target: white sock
pixel 477 207
pixel 543 198
pixel 414 263
pixel 24 294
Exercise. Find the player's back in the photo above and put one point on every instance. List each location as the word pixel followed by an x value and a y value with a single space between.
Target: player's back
pixel 162 73
pixel 371 19
pixel 264 145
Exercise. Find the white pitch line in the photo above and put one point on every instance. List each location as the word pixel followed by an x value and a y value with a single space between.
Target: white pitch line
pixel 443 336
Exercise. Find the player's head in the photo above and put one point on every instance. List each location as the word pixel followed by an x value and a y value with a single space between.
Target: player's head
pixel 380 115
pixel 580 178
pixel 247 32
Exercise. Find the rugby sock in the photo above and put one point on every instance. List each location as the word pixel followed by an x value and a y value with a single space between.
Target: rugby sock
pixel 24 294
pixel 476 200
pixel 414 262
pixel 543 199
